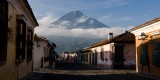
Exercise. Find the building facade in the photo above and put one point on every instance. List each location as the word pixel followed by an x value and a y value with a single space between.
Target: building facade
pixel 86 56
pixel 115 53
pixel 41 52
pixel 17 28
pixel 148 47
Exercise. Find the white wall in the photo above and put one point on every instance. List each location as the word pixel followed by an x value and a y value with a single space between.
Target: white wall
pixel 107 50
pixel 39 53
pixel 147 29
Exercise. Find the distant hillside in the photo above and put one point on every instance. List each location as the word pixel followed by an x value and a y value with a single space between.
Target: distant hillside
pixel 70 43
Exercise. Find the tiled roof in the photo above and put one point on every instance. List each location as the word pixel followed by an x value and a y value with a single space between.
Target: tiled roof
pixel 86 49
pixel 99 43
pixel 146 24
pixel 39 38
pixel 125 37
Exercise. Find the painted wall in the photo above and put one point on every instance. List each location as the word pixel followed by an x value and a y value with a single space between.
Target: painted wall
pixel 129 54
pixel 10 70
pixel 39 54
pixel 150 31
pixel 107 53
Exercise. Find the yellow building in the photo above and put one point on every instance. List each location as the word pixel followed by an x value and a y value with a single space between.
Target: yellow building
pixel 16 38
pixel 148 47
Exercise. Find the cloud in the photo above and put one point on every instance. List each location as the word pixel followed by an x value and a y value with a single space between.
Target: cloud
pixel 47 20
pixel 92 8
pixel 113 3
pixel 58 6
pixel 110 18
pixel 45 30
pixel 105 18
pixel 113 20
pixel 99 4
pixel 85 33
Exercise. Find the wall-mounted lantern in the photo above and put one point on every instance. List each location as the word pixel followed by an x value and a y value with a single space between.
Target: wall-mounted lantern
pixel 143 36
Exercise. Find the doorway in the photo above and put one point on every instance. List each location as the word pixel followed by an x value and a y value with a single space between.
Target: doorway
pixel 119 57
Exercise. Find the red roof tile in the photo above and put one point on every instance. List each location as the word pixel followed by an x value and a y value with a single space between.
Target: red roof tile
pixel 125 37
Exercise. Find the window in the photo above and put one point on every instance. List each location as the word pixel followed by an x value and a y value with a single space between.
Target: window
pixel 105 55
pixel 144 58
pixel 45 54
pixel 102 54
pixel 112 53
pixel 29 44
pixel 3 30
pixel 21 39
pixel 46 58
pixel 156 54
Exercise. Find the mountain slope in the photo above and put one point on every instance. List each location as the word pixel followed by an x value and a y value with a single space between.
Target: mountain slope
pixel 71 44
pixel 76 19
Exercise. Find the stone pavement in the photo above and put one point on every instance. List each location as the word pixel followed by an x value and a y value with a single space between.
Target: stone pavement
pixel 74 71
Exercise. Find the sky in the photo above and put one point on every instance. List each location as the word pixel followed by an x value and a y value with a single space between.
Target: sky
pixel 120 15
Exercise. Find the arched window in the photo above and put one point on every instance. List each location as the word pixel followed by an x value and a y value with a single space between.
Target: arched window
pixel 3 30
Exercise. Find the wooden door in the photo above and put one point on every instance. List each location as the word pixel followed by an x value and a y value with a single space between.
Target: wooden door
pixel 119 57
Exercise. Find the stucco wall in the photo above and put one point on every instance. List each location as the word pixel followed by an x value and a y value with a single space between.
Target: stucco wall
pixel 10 70
pixel 39 53
pixel 107 52
pixel 37 56
pixel 148 30
pixel 130 54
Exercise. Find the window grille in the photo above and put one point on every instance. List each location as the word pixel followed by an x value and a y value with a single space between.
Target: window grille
pixel 29 44
pixel 156 55
pixel 144 58
pixel 21 40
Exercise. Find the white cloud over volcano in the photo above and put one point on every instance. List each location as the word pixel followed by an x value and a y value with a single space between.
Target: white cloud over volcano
pixel 45 30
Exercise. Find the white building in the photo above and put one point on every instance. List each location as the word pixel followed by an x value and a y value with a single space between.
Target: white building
pixel 115 53
pixel 41 52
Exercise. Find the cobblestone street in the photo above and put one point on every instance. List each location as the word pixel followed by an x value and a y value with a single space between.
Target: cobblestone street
pixel 74 71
